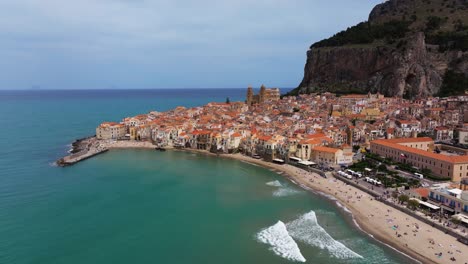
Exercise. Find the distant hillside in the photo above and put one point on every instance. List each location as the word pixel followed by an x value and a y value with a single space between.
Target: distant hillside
pixel 408 48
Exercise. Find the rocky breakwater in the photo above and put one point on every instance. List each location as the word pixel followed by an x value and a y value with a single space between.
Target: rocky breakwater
pixel 82 149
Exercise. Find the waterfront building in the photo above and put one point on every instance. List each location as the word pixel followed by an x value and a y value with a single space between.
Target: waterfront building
pixel 451 199
pixel 333 156
pixel 303 150
pixel 110 130
pixel 419 153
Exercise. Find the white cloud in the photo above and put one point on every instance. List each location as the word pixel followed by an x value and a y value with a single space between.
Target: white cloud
pixel 163 33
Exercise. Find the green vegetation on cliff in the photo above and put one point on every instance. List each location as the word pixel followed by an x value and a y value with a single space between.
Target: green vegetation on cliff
pixel 365 33
pixel 391 31
pixel 449 40
pixel 454 84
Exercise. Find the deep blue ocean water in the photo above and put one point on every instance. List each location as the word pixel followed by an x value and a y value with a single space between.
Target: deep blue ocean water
pixel 142 206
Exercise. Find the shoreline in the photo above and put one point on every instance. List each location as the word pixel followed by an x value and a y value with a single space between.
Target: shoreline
pixel 362 209
pixel 342 206
pixel 360 220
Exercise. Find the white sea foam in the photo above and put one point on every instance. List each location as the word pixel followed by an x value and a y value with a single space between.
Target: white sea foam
pixel 324 212
pixel 283 192
pixel 281 243
pixel 329 196
pixel 274 184
pixel 307 229
pixel 343 207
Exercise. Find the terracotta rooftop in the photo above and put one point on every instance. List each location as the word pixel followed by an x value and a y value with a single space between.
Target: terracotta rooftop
pixel 393 143
pixel 407 140
pixel 326 149
pixel 424 192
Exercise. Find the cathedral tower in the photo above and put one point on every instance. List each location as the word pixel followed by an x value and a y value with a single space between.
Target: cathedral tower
pixel 261 98
pixel 249 99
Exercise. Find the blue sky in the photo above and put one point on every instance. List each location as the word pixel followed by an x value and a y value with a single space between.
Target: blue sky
pixel 100 44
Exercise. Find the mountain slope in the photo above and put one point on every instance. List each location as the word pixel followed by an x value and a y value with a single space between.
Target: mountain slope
pixel 408 48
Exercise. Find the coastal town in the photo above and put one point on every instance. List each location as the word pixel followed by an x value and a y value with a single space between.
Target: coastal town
pixel 325 129
pixel 410 155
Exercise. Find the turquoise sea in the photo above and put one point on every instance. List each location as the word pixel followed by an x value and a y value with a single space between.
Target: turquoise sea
pixel 143 206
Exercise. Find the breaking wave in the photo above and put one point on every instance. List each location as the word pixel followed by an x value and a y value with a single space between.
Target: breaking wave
pixel 329 196
pixel 274 184
pixel 324 212
pixel 281 243
pixel 307 230
pixel 343 207
pixel 282 192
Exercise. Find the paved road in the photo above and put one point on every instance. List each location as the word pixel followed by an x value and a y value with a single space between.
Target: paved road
pixel 425 182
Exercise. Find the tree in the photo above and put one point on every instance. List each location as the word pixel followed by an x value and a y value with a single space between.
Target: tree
pixel 227 100
pixel 403 198
pixel 413 204
pixel 394 194
pixel 433 23
pixel 356 148
pixel 456 221
pixel 426 171
pixel 382 167
pixel 454 83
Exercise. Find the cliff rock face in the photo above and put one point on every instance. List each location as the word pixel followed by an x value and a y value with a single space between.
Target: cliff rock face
pixel 390 71
pixel 408 67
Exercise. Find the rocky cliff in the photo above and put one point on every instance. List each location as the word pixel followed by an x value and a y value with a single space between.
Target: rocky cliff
pixel 390 53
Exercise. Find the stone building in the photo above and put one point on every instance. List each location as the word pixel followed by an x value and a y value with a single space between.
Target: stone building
pixel 265 95
pixel 418 152
pixel 110 130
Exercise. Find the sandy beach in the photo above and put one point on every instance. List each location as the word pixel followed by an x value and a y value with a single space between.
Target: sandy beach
pixel 385 223
pixel 393 227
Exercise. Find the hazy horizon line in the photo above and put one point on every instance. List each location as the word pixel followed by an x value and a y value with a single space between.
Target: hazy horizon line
pixel 109 89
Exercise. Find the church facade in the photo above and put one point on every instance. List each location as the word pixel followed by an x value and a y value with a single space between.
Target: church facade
pixel 265 95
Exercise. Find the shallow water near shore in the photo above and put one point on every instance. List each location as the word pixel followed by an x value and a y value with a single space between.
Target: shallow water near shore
pixel 144 206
